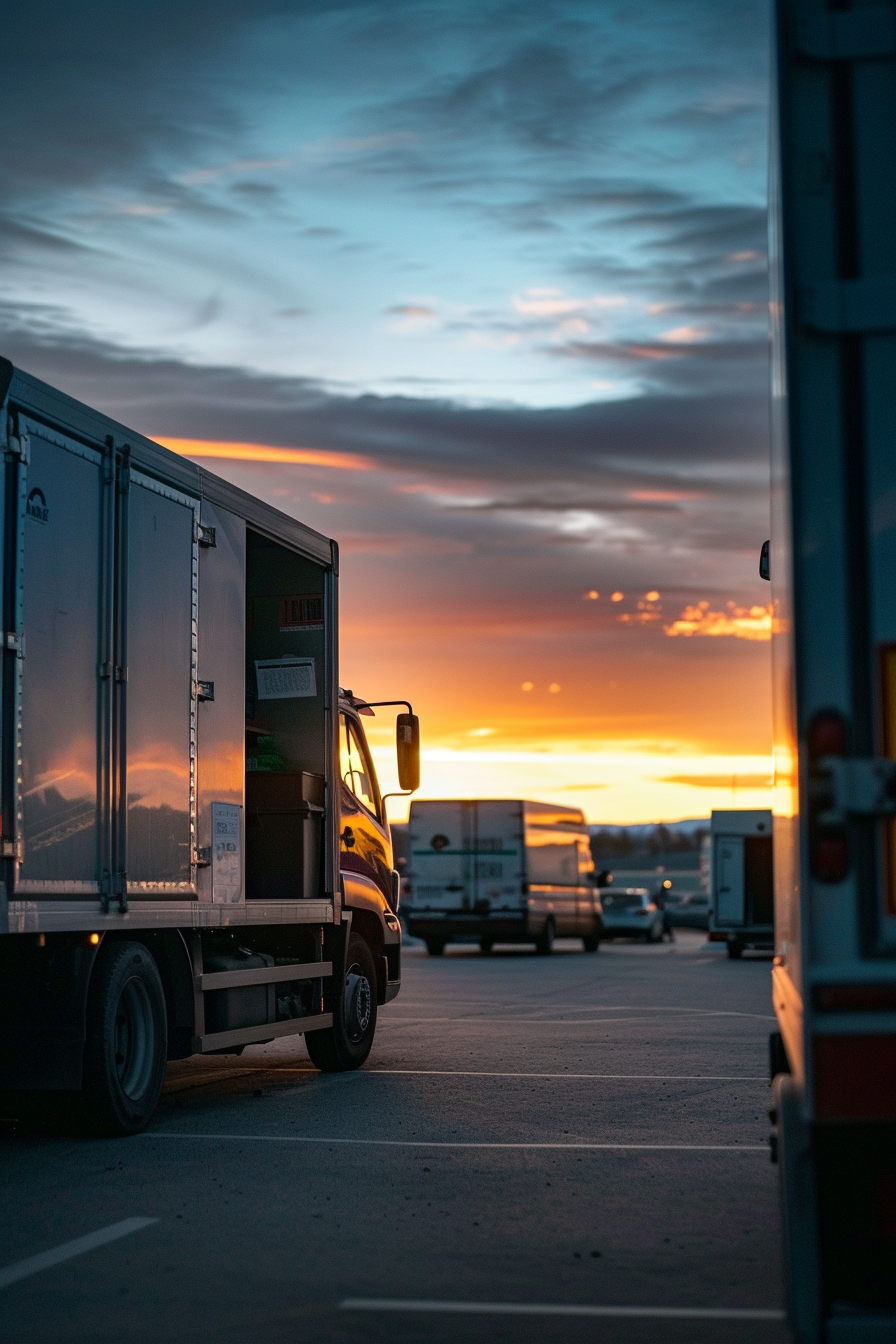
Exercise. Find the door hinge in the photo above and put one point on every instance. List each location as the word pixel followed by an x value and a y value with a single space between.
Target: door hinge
pixel 206 536
pixel 14 641
pixel 204 857
pixel 19 446
pixel 205 690
pixel 121 891
pixel 855 787
pixel 9 849
pixel 121 672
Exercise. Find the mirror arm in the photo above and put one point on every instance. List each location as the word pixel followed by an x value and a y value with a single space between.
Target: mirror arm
pixel 382 704
pixel 405 793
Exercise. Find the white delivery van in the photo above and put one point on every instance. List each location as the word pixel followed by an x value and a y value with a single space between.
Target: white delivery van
pixel 500 871
pixel 742 880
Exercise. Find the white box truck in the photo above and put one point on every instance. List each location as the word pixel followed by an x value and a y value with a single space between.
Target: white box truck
pixel 194 853
pixel 500 871
pixel 742 880
pixel 833 574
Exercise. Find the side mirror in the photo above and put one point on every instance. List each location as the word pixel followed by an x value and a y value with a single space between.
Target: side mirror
pixel 765 563
pixel 407 746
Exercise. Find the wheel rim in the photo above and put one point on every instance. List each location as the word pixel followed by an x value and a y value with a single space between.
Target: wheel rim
pixel 134 1039
pixel 358 1003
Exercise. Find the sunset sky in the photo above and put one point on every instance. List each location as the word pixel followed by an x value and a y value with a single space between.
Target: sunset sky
pixel 477 289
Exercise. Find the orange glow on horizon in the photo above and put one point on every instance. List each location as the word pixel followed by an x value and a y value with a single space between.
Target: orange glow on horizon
pixel 738 622
pixel 262 452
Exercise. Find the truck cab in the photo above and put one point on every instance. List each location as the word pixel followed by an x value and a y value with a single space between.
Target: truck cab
pixel 370 882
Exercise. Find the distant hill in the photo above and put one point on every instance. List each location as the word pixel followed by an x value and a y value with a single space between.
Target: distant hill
pixel 650 841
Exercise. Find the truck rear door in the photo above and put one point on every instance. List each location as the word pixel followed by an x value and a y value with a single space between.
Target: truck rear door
pixel 498 861
pixel 441 855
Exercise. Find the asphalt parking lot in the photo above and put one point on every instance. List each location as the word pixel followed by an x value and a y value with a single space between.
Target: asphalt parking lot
pixel 571 1148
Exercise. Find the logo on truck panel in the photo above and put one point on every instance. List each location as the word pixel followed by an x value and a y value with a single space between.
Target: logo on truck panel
pixel 36 506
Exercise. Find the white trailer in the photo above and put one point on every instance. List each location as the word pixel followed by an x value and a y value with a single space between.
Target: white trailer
pixel 500 871
pixel 742 880
pixel 194 851
pixel 833 574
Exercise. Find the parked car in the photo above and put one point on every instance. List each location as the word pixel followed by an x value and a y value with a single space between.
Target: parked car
pixel 631 912
pixel 688 909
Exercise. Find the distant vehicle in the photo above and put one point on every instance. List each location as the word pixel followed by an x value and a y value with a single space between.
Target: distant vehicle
pixel 631 912
pixel 500 871
pixel 687 909
pixel 742 880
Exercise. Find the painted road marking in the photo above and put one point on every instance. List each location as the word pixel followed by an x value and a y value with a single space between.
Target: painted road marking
pixel 69 1249
pixel 443 1143
pixel 623 1077
pixel 562 1309
pixel 483 1073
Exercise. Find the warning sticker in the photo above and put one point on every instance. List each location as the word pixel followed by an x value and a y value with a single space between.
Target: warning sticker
pixel 303 612
pixel 226 874
pixel 285 678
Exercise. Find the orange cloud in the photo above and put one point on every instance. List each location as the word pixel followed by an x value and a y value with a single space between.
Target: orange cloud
pixel 736 622
pixel 262 452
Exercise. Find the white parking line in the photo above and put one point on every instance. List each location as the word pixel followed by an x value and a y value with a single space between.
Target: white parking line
pixel 69 1249
pixel 606 1077
pixel 552 1021
pixel 593 1008
pixel 444 1143
pixel 562 1309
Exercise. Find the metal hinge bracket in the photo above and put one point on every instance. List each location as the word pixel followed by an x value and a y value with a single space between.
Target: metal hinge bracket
pixel 14 641
pixel 121 891
pixel 204 857
pixel 206 536
pixel 9 849
pixel 205 690
pixel 18 445
pixel 859 787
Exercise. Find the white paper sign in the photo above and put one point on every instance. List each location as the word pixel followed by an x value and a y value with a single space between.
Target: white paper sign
pixel 285 678
pixel 226 866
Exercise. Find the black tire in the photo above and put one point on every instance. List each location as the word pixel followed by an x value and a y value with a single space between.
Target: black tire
pixel 777 1056
pixel 347 1043
pixel 126 1043
pixel 485 946
pixel 591 941
pixel 435 947
pixel 735 951
pixel 544 943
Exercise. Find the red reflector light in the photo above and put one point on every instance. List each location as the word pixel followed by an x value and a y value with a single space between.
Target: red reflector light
pixel 855 1077
pixel 829 854
pixel 827 735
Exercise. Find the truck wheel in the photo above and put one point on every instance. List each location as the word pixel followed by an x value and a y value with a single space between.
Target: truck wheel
pixel 126 1042
pixel 735 951
pixel 544 943
pixel 591 941
pixel 435 947
pixel 347 1043
pixel 777 1056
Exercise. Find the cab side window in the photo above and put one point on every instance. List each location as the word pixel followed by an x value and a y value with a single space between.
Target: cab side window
pixel 355 768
